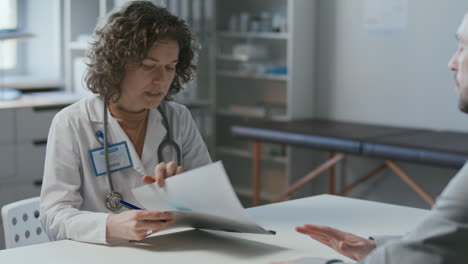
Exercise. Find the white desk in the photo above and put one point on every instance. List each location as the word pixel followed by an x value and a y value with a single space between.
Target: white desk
pixel 196 246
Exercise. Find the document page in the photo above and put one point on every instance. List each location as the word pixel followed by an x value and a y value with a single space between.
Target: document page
pixel 200 198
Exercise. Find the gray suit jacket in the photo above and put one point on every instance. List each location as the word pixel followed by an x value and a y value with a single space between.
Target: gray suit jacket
pixel 441 238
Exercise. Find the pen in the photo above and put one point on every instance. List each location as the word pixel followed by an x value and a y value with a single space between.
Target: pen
pixel 128 205
pixel 133 207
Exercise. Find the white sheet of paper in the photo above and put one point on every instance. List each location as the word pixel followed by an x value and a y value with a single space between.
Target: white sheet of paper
pixel 205 190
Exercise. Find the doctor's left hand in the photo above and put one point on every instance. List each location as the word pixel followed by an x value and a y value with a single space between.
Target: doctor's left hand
pixel 163 171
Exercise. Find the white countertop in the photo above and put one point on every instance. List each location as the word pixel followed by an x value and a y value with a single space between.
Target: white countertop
pixel 21 82
pixel 41 99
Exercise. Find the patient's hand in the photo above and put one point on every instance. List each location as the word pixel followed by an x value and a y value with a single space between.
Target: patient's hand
pixel 348 244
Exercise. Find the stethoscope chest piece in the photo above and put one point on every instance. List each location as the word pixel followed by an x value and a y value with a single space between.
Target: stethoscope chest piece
pixel 112 201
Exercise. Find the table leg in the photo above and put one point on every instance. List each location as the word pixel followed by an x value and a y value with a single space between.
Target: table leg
pixel 351 186
pixel 310 176
pixel 256 173
pixel 420 191
pixel 331 175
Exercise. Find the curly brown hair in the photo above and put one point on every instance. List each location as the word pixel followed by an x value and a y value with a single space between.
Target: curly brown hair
pixel 126 38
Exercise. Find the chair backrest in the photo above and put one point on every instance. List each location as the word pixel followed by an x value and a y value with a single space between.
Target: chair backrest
pixel 21 223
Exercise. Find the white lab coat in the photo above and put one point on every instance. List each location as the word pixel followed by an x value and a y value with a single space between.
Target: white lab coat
pixel 72 197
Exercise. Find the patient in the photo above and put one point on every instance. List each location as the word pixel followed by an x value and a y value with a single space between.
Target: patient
pixel 443 236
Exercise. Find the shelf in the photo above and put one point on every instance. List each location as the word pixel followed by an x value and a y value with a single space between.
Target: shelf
pixel 226 112
pixel 229 57
pixel 15 35
pixel 280 118
pixel 255 113
pixel 271 77
pixel 264 35
pixel 247 154
pixel 79 45
pixel 194 103
pixel 248 192
pixel 240 58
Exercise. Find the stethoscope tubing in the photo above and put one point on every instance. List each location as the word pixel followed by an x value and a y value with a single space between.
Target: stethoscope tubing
pixel 168 141
pixel 106 153
pixel 113 197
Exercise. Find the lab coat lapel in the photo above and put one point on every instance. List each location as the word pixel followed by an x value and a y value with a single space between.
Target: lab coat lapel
pixel 155 133
pixel 117 135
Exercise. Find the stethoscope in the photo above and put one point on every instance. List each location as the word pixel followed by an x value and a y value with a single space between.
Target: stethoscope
pixel 113 198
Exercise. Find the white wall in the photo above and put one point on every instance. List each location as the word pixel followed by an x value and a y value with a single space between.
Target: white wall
pixel 400 80
pixel 393 80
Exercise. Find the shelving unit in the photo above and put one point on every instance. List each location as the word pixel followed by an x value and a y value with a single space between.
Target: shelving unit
pixel 242 80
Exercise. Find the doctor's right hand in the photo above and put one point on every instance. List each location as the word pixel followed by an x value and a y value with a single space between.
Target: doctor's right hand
pixel 162 171
pixel 137 224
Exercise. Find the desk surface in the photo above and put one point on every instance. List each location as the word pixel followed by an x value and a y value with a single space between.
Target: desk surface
pixel 195 246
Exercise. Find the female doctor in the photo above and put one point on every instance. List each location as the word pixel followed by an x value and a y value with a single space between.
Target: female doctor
pixel 103 146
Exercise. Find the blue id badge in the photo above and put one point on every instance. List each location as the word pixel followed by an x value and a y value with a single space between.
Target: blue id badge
pixel 119 158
